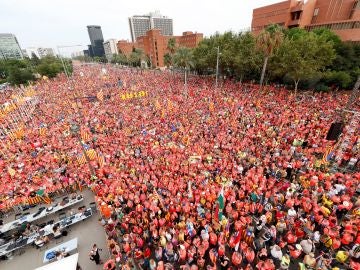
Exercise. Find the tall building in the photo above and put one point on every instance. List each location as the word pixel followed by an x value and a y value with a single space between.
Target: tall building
pixel 341 16
pixel 9 47
pixel 45 52
pixel 96 39
pixel 154 44
pixel 39 52
pixel 139 25
pixel 110 48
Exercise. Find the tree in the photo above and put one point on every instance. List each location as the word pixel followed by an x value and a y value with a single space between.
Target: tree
pixel 167 59
pixel 119 58
pixel 268 41
pixel 19 76
pixel 183 58
pixel 171 46
pixel 50 67
pixel 246 60
pixel 136 56
pixel 304 56
pixel 34 59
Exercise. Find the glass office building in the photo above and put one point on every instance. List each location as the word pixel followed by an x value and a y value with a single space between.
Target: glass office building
pixel 9 47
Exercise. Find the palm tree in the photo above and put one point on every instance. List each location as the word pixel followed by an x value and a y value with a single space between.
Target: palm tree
pixel 167 59
pixel 268 41
pixel 171 46
pixel 183 58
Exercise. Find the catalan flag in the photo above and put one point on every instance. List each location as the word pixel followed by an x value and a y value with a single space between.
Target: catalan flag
pixel 11 171
pixel 46 199
pixel 81 159
pixel 34 200
pixel 19 133
pixel 100 95
pixel 91 153
pixel 211 106
pixel 170 105
pixel 101 160
pixel 85 136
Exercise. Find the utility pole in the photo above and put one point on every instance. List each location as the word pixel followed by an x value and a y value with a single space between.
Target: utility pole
pixel 217 66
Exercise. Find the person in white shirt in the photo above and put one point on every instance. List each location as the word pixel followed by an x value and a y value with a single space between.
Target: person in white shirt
pixel 276 252
pixel 307 246
pixel 291 213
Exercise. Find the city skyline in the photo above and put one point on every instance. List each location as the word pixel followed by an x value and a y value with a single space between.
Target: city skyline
pixel 40 23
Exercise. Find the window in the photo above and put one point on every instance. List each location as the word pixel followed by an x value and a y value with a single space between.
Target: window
pixel 316 12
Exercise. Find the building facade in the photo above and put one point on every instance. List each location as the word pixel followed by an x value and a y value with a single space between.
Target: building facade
pixel 139 25
pixel 154 44
pixel 46 52
pixel 39 52
pixel 341 16
pixel 96 40
pixel 9 47
pixel 110 48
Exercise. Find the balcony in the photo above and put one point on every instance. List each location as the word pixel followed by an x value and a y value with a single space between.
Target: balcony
pixel 294 23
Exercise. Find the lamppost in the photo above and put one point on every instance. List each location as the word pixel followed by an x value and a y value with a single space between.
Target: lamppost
pixel 62 60
pixel 75 132
pixel 217 66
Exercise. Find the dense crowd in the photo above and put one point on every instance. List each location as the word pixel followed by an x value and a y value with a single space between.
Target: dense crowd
pixel 195 177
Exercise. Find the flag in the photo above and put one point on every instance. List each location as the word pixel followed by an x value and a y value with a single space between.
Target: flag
pixel 170 105
pixel 221 202
pixel 11 171
pixel 85 136
pixel 211 106
pixel 46 199
pixel 81 159
pixel 42 131
pixel 328 154
pixel 101 160
pixel 91 153
pixel 157 105
pixel 100 95
pixel 34 200
pixel 86 146
pixel 19 133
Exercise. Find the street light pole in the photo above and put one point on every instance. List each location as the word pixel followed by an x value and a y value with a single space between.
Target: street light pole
pixel 217 66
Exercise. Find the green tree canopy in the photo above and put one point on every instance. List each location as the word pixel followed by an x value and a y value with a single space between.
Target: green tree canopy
pixel 303 56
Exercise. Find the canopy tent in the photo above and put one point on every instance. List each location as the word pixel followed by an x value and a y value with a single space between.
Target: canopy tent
pixel 68 263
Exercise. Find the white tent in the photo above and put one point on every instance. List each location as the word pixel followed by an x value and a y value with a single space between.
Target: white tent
pixel 68 263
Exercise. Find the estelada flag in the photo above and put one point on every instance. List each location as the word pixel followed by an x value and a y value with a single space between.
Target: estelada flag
pixel 100 95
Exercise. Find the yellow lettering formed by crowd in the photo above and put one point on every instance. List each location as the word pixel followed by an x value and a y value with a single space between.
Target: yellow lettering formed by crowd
pixel 131 95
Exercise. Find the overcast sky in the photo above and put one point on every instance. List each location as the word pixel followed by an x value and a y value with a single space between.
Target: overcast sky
pixel 49 23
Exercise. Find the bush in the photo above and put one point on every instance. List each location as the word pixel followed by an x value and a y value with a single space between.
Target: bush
pixel 322 88
pixel 339 79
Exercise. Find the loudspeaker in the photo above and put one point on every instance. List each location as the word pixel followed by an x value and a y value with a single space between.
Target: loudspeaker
pixel 334 131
